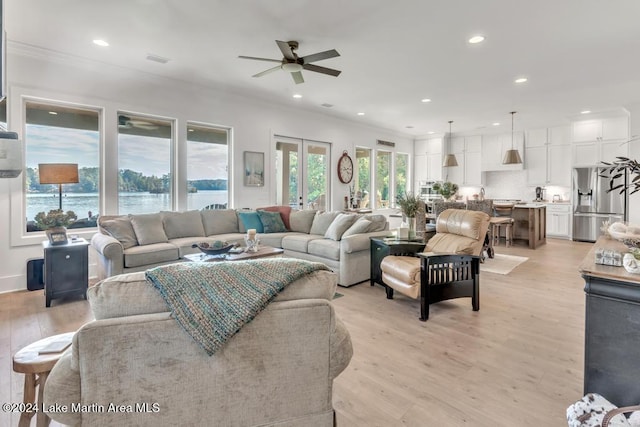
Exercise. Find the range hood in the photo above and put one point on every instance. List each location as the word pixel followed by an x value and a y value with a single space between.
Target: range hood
pixel 10 155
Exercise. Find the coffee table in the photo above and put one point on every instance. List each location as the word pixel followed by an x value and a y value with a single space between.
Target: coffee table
pixel 263 252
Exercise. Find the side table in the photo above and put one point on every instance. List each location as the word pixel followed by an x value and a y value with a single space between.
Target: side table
pixel 66 269
pixel 382 246
pixel 36 368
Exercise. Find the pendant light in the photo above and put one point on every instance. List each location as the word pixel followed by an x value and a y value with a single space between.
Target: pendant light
pixel 450 159
pixel 512 157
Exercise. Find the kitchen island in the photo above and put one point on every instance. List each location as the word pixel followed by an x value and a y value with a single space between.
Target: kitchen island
pixel 530 223
pixel 612 316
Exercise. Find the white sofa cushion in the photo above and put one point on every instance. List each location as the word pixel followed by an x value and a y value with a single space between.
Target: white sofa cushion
pixel 182 224
pixel 301 221
pixel 219 221
pixel 298 242
pixel 121 229
pixel 360 226
pixel 340 224
pixel 148 228
pixel 150 254
pixel 325 248
pixel 322 221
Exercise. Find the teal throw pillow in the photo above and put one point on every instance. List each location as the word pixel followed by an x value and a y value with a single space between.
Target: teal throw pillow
pixel 272 222
pixel 251 220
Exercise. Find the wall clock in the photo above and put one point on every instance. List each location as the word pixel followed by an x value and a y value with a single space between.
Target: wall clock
pixel 345 168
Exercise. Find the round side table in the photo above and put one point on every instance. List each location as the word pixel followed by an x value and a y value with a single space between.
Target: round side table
pixel 36 368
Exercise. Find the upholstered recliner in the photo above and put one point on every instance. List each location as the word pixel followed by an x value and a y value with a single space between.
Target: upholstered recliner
pixel 277 370
pixel 449 267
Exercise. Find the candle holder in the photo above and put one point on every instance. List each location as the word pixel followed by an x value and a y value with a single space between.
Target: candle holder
pixel 252 243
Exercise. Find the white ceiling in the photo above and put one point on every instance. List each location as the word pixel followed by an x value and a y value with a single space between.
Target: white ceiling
pixel 577 54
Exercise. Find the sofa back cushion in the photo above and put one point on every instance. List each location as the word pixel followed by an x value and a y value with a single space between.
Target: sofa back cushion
pixel 322 221
pixel 271 222
pixel 339 226
pixel 219 221
pixel 182 224
pixel 361 225
pixel 301 221
pixel 120 228
pixel 149 228
pixel 250 220
pixel 378 223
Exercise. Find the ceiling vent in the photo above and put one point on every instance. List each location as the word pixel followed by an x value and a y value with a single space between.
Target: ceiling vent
pixel 156 58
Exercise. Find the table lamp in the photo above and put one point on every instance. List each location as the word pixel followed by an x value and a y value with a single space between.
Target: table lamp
pixel 58 173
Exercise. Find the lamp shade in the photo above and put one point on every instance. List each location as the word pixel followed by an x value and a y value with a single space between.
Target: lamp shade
pixel 450 160
pixel 512 157
pixel 58 173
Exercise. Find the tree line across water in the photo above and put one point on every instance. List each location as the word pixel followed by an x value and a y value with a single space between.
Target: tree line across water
pixel 128 181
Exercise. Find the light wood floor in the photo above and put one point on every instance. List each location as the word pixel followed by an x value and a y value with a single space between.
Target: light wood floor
pixel 516 362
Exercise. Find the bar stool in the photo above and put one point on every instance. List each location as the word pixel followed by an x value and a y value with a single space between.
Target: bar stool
pixel 502 219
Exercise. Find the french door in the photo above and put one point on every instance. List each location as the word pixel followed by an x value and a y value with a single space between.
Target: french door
pixel 302 173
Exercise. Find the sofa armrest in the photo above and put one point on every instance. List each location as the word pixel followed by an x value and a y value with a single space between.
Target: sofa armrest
pixel 360 242
pixel 110 255
pixel 63 388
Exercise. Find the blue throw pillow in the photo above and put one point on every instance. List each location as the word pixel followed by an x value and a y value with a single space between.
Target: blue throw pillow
pixel 272 222
pixel 251 220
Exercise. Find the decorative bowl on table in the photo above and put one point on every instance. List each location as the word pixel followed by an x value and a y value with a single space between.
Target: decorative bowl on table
pixel 216 248
pixel 627 234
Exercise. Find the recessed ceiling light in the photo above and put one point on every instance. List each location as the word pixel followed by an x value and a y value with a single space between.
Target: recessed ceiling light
pixel 361 114
pixel 190 130
pixel 100 42
pixel 521 80
pixel 585 112
pixel 425 100
pixel 476 39
pixel 431 132
pixel 53 113
pixel 297 95
pixel 495 124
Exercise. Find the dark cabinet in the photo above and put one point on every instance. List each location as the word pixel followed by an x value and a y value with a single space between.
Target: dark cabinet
pixel 381 247
pixel 66 269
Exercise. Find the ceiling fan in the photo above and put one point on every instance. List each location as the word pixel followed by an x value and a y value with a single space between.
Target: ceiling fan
pixel 294 64
pixel 125 122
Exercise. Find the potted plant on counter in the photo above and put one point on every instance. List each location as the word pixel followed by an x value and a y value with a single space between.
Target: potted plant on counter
pixel 446 189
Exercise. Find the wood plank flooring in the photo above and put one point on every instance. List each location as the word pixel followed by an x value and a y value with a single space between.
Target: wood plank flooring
pixel 516 362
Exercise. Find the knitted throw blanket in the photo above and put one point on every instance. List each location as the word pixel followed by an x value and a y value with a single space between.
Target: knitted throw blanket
pixel 212 301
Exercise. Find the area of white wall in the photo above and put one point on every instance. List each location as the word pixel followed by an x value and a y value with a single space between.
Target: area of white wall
pixel 253 121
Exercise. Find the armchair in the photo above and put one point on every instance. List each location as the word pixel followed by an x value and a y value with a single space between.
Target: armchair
pixel 449 267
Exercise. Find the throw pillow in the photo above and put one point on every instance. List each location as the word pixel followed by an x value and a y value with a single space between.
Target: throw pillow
pixel 271 222
pixel 322 221
pixel 219 221
pixel 301 221
pixel 182 224
pixel 339 226
pixel 148 228
pixel 251 219
pixel 360 226
pixel 378 222
pixel 121 229
pixel 285 213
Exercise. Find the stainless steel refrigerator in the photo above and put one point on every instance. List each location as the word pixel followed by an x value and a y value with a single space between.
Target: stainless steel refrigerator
pixel 592 204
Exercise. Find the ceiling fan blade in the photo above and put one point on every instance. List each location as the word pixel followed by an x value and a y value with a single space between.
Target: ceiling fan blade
pixel 286 49
pixel 297 77
pixel 270 70
pixel 320 56
pixel 323 70
pixel 259 59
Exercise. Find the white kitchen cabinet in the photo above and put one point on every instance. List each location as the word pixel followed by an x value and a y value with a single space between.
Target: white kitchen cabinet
pixel 472 168
pixel 420 170
pixel 559 165
pixel 559 220
pixel 536 138
pixel 428 160
pixel 473 144
pixel 586 154
pixel 467 150
pixel 559 135
pixel 434 166
pixel 536 165
pixel 456 144
pixel 455 174
pixel 606 129
pixel 610 150
pixel 494 148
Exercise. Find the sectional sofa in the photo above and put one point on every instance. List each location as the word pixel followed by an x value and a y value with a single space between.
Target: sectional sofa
pixel 129 243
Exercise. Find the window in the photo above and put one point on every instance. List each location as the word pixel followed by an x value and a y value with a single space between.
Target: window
pixel 402 174
pixel 362 179
pixel 383 176
pixel 207 167
pixel 62 134
pixel 144 164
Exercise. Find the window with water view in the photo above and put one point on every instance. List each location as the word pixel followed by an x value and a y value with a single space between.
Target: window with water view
pixel 57 134
pixel 207 167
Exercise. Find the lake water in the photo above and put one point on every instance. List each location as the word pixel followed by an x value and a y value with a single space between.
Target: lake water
pixel 129 203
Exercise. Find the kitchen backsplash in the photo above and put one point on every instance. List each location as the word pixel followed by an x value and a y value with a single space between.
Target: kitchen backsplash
pixel 512 185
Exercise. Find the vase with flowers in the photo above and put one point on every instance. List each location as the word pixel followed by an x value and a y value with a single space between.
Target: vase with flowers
pixel 409 204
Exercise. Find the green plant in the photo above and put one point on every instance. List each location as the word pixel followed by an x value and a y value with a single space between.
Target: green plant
pixel 409 203
pixel 55 218
pixel 445 189
pixel 617 170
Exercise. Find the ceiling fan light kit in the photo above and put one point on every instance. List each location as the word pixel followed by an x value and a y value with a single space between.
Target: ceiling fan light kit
pixel 294 64
pixel 512 157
